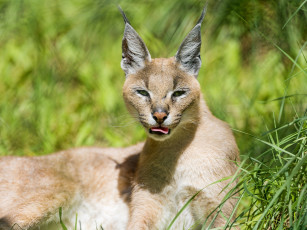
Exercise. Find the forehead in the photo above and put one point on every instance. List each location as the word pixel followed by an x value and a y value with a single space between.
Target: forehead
pixel 162 74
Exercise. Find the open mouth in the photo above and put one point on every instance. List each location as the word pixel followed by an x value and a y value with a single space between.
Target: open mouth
pixel 159 130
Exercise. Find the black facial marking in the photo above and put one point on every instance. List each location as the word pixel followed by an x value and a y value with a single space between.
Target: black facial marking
pixel 145 80
pixel 176 81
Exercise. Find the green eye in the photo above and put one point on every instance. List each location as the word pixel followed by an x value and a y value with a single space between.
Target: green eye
pixel 143 93
pixel 178 93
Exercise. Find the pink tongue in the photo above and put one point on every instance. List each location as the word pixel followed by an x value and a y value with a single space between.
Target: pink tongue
pixel 160 129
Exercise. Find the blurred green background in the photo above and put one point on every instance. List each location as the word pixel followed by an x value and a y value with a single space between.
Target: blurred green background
pixel 60 75
pixel 60 85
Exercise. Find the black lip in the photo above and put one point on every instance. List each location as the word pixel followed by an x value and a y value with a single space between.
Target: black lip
pixel 159 133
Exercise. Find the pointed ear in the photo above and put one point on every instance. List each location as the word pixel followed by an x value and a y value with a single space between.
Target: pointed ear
pixel 134 50
pixel 188 54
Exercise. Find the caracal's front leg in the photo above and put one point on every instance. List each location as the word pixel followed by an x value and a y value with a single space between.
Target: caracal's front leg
pixel 145 208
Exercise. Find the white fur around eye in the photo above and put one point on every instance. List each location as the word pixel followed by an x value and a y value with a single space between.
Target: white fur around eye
pixel 141 96
pixel 182 96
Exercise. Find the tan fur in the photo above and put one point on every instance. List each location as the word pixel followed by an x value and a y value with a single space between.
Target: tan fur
pixel 147 183
pixel 32 189
pixel 200 151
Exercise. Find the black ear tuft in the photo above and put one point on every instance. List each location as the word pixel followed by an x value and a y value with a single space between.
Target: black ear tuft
pixel 202 16
pixel 123 14
pixel 188 54
pixel 134 50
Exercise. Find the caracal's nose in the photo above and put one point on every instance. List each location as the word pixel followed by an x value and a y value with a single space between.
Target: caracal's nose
pixel 159 117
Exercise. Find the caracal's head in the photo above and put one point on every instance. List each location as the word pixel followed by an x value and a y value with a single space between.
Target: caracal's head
pixel 162 93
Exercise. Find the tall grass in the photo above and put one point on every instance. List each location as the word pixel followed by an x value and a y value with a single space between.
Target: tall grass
pixel 274 183
pixel 60 85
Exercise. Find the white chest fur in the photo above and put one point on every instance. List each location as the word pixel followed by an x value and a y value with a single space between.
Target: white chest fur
pixel 92 214
pixel 193 176
pixel 176 195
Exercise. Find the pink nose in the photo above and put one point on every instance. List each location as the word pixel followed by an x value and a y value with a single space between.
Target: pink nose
pixel 159 117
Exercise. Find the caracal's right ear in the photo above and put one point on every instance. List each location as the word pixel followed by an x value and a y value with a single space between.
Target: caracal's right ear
pixel 134 51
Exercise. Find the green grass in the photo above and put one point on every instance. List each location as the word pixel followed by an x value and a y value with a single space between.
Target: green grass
pixel 60 85
pixel 273 184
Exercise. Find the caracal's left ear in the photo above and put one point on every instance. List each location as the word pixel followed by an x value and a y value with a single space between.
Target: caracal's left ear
pixel 134 51
pixel 188 54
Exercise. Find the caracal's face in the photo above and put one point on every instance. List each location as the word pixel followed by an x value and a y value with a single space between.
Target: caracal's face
pixel 163 93
pixel 162 97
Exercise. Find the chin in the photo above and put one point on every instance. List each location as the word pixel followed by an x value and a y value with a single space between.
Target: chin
pixel 158 136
